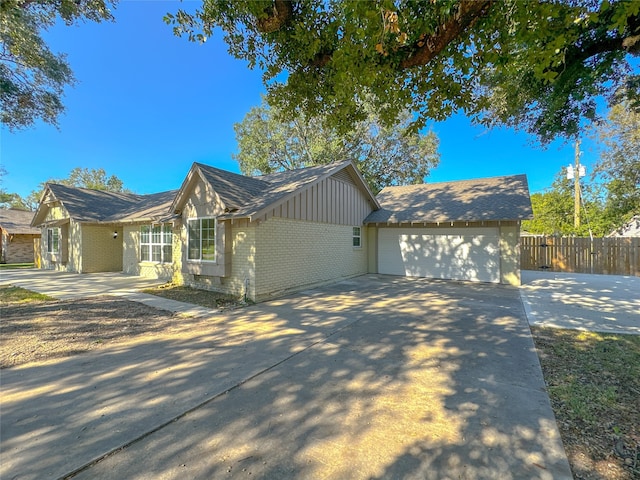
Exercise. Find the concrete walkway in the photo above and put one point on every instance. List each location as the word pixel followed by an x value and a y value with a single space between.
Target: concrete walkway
pixel 72 286
pixel 599 303
pixel 376 377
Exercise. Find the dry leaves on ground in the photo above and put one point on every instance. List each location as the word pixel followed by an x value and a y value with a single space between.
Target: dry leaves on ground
pixel 593 381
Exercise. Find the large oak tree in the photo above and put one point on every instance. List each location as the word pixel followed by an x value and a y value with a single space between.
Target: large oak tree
pixel 32 77
pixel 533 64
pixel 270 141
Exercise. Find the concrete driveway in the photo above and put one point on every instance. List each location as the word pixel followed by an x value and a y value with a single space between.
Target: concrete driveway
pixel 375 377
pixel 69 286
pixel 600 303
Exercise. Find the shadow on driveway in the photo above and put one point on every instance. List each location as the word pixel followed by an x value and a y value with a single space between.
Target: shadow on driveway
pixel 376 377
pixel 598 303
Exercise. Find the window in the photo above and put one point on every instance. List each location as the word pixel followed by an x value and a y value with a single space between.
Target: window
pixel 53 240
pixel 357 238
pixel 201 239
pixel 156 243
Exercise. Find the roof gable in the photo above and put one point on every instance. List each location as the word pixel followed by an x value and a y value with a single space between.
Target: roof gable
pixel 485 199
pixel 244 196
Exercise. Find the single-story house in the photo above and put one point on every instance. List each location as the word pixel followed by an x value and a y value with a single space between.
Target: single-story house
pixel 85 231
pixel 262 236
pixel 631 228
pixel 17 236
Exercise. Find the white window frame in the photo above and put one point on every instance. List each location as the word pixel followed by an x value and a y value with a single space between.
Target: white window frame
pixel 357 236
pixel 53 241
pixel 200 239
pixel 165 240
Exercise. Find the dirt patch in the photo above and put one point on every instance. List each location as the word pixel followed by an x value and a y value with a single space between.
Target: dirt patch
pixel 593 381
pixel 49 329
pixel 205 298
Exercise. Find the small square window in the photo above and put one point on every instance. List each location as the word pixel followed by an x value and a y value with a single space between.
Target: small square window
pixel 357 237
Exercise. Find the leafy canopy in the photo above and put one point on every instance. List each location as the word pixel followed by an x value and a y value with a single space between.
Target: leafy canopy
pixel 270 141
pixel 619 163
pixel 32 77
pixel 553 210
pixel 533 64
pixel 94 178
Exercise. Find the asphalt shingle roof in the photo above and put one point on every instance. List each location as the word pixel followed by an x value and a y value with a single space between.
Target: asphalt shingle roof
pixel 485 199
pixel 17 222
pixel 246 196
pixel 86 205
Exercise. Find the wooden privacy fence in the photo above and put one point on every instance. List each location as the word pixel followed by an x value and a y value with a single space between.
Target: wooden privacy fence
pixel 612 256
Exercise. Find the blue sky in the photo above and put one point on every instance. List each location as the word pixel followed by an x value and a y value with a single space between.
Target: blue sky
pixel 148 104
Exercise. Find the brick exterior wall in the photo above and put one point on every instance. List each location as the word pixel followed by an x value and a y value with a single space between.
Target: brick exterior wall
pixel 100 251
pixel 242 276
pixel 131 264
pixel 17 248
pixel 68 260
pixel 293 254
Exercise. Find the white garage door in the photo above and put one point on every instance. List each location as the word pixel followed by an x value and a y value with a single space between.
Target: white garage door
pixel 451 253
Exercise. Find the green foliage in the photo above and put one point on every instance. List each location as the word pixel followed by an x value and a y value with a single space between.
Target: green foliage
pixel 10 200
pixel 32 77
pixel 269 140
pixel 553 210
pixel 535 65
pixel 94 178
pixel 619 163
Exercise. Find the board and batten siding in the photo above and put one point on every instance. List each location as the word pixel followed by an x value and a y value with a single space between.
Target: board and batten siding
pixel 335 199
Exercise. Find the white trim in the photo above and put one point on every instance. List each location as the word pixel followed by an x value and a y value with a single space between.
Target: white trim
pixel 215 235
pixel 59 235
pixel 354 236
pixel 164 228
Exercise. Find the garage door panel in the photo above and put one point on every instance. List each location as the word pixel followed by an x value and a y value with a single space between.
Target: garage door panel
pixel 459 254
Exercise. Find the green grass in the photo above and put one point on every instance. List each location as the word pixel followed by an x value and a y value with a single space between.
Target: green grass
pixel 593 381
pixel 16 295
pixel 15 265
pixel 590 373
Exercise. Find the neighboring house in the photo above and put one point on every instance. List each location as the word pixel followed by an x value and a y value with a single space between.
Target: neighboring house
pixel 464 230
pixel 261 236
pixel 87 231
pixel 629 229
pixel 18 236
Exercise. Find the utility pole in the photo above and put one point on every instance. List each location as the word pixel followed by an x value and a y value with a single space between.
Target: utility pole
pixel 576 185
pixel 574 173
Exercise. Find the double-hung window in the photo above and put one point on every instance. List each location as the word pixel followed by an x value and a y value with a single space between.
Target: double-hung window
pixel 357 237
pixel 201 240
pixel 156 243
pixel 53 240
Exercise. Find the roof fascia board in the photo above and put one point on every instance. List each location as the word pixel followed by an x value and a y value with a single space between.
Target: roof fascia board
pixel 192 177
pixel 365 185
pixel 338 166
pixel 38 216
pixel 178 201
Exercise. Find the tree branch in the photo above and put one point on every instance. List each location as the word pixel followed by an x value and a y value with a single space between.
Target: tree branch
pixel 428 48
pixel 278 14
